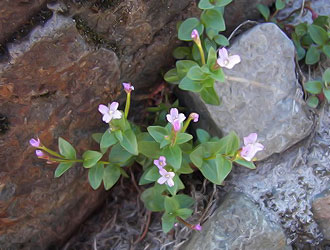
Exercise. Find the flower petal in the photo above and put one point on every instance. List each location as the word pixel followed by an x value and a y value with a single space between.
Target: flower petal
pixel 106 118
pixel 163 172
pixel 103 109
pixel 114 106
pixel 162 180
pixel 250 139
pixel 176 125
pixel 174 113
pixel 117 114
pixel 181 117
pixel 170 182
pixel 223 53
pixel 171 174
pixel 169 118
pixel 232 61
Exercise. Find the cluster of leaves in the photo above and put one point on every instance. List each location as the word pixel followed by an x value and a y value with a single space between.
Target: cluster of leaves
pixel 192 72
pixel 320 88
pixel 124 144
pixel 210 155
pixel 310 40
pixel 124 149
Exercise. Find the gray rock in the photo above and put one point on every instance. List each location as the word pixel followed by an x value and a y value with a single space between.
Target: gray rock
pixel 286 185
pixel 261 94
pixel 321 210
pixel 238 224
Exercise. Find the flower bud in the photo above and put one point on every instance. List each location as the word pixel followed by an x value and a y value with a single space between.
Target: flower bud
pixel 128 87
pixel 194 117
pixel 195 35
pixel 35 142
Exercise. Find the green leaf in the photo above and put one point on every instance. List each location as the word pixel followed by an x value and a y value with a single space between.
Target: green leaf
pixel 197 156
pixel 216 170
pixel 171 76
pixel 171 204
pixel 62 168
pixel 301 29
pixel 221 3
pixel 108 139
pixel 168 221
pixel 173 156
pixel 177 185
pixel 229 144
pixel 183 66
pixel 151 174
pixel 211 33
pixel 210 96
pixel 184 213
pixel 119 155
pixel 183 137
pixel 313 87
pixel 181 52
pixel 322 21
pixel 129 142
pixel 312 101
pixel 95 175
pixel 280 4
pixel 158 133
pixel 312 56
pixel 202 135
pixel 205 4
pixel 318 34
pixel 218 75
pixel 244 163
pixel 185 29
pixel 196 73
pixel 120 124
pixel 111 175
pixel 190 85
pixel 149 148
pixel 97 137
pixel 264 10
pixel 91 158
pixel 211 58
pixel 185 201
pixel 153 199
pixel 66 149
pixel 326 50
pixel 221 40
pixel 213 19
pixel 185 166
pixel 326 93
pixel 326 75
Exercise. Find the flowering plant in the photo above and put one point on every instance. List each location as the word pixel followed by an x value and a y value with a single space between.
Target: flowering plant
pixel 164 152
pixel 198 67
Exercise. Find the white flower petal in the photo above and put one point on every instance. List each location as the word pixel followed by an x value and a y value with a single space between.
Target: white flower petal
pixel 103 109
pixel 250 139
pixel 106 118
pixel 182 117
pixel 169 118
pixel 170 182
pixel 117 114
pixel 223 53
pixel 162 180
pixel 232 61
pixel 114 106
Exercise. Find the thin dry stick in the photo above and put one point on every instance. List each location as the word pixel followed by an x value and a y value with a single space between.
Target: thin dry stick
pixel 145 229
pixel 209 203
pixel 134 182
pixel 239 26
pixel 302 8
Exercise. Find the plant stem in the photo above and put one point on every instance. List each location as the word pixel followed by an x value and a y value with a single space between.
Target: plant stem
pixel 202 53
pixel 128 104
pixel 186 124
pixel 51 152
pixel 184 222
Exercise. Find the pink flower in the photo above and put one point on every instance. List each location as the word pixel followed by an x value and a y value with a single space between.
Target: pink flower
pixel 194 34
pixel 251 147
pixel 161 162
pixel 194 117
pixel 227 61
pixel 175 119
pixel 110 112
pixel 197 227
pixel 35 142
pixel 40 154
pixel 128 87
pixel 166 177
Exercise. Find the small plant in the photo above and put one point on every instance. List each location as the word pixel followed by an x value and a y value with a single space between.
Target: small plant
pixel 310 40
pixel 318 89
pixel 164 152
pixel 198 67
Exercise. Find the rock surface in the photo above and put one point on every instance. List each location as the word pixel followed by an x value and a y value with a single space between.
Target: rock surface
pixel 321 210
pixel 285 186
pixel 261 94
pixel 238 224
pixel 15 13
pixel 51 87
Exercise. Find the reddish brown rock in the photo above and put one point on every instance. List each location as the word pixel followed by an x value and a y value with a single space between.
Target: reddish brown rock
pixel 15 13
pixel 321 210
pixel 51 87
